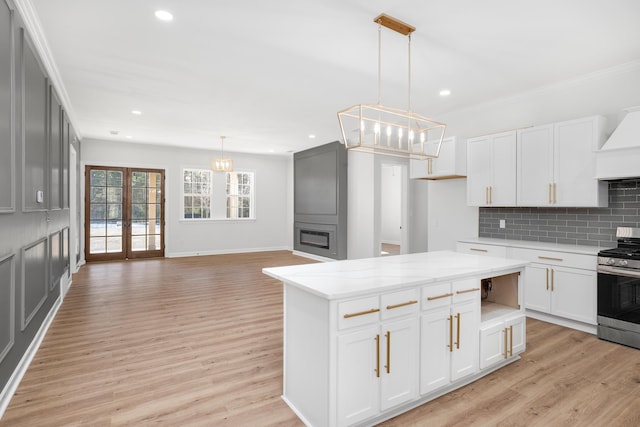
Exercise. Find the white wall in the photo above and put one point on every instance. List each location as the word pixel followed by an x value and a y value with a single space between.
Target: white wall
pixel 391 199
pixel 450 219
pixel 272 228
pixel 362 206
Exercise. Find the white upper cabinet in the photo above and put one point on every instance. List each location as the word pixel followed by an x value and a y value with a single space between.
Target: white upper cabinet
pixel 556 164
pixel 491 170
pixel 451 163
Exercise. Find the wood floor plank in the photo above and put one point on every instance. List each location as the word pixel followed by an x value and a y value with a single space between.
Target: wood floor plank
pixel 198 342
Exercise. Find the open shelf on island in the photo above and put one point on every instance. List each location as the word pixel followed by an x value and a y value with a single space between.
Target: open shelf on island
pixel 499 297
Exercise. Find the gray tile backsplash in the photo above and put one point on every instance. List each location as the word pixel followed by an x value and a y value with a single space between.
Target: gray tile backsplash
pixel 574 226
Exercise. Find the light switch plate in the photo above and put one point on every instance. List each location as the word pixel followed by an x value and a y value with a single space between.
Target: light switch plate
pixel 503 223
pixel 39 196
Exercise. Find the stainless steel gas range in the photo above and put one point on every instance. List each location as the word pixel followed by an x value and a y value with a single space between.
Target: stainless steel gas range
pixel 619 289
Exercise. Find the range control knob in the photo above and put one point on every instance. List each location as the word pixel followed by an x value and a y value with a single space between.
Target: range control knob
pixel 623 263
pixel 610 261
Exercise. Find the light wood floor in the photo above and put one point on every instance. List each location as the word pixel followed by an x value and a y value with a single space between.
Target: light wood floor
pixel 198 341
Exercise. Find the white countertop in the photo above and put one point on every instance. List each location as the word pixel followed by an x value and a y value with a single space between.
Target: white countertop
pixel 526 244
pixel 345 279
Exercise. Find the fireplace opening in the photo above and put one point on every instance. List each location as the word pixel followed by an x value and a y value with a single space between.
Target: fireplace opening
pixel 317 239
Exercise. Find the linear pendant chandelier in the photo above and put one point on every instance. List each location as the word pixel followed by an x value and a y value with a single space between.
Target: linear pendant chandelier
pixel 388 131
pixel 222 164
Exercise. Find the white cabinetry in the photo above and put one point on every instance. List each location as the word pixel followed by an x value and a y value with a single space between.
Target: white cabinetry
pixel 449 333
pixel 377 364
pixel 561 284
pixel 556 164
pixel 481 249
pixel 451 163
pixel 502 340
pixel 491 170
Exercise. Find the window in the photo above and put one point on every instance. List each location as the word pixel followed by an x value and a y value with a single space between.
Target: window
pixel 239 195
pixel 204 197
pixel 197 190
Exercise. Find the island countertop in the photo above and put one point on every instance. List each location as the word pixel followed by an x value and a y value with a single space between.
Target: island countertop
pixel 350 278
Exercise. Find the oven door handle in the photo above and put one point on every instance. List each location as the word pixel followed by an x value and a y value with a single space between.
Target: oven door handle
pixel 627 272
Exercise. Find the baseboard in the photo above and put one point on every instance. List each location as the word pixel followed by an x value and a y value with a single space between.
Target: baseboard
pixel 567 323
pixel 12 385
pixel 224 252
pixel 312 256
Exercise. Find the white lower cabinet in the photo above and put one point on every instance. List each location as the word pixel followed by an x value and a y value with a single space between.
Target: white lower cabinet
pixel 502 340
pixel 377 369
pixel 561 291
pixel 449 343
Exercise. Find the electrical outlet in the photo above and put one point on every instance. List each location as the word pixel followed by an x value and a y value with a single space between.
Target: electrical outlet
pixel 39 196
pixel 503 223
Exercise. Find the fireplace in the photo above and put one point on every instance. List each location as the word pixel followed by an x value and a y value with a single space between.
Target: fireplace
pixel 320 201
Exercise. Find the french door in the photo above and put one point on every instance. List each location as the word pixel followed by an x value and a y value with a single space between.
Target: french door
pixel 124 213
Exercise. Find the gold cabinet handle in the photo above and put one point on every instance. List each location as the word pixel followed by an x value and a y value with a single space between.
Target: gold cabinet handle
pixel 458 331
pixel 361 313
pixel 378 355
pixel 466 291
pixel 491 194
pixel 505 343
pixel 429 166
pixel 478 250
pixel 439 297
pixel 404 304
pixel 388 352
pixel 450 334
pixel 549 194
pixel 555 193
pixel 550 258
pixel 547 275
pixel 552 280
pixel 486 195
pixel 511 340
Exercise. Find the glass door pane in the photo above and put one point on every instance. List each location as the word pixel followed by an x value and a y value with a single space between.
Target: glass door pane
pixel 104 189
pixel 146 213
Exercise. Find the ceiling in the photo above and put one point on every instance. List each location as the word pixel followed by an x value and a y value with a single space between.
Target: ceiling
pixel 267 74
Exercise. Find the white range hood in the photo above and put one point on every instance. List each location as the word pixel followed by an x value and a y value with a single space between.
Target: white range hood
pixel 619 157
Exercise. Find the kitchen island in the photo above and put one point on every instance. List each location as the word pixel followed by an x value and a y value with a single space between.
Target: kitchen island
pixel 368 339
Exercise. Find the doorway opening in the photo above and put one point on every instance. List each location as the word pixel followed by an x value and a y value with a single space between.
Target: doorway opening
pixel 124 213
pixel 393 199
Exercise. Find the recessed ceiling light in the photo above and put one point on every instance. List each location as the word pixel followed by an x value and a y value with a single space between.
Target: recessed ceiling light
pixel 445 92
pixel 128 136
pixel 136 112
pixel 163 15
pixel 312 136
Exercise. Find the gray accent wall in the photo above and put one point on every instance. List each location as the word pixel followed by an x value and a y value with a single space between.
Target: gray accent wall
pixel 574 226
pixel 34 158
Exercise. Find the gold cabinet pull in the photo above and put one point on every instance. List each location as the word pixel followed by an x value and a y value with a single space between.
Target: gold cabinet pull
pixel 429 166
pixel 458 331
pixel 511 340
pixel 549 194
pixel 388 352
pixel 486 195
pixel 450 334
pixel 466 291
pixel 378 355
pixel 439 297
pixel 505 343
pixel 478 250
pixel 552 280
pixel 550 258
pixel 547 275
pixel 555 193
pixel 491 194
pixel 361 313
pixel 404 304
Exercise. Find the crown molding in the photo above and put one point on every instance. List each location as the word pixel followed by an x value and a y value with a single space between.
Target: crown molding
pixel 32 24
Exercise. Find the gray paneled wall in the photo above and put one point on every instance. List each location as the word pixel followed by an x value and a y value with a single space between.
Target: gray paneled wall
pixel 34 157
pixel 574 226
